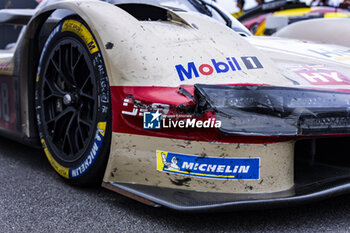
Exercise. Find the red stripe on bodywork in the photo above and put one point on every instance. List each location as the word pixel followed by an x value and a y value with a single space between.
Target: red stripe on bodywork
pixel 146 96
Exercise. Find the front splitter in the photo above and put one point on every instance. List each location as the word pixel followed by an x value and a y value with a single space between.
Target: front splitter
pixel 192 201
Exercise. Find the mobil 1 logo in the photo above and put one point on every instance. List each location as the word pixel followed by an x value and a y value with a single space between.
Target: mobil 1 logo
pixel 215 66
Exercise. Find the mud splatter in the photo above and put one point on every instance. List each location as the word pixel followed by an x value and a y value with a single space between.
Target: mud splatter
pixel 109 45
pixel 113 171
pixel 180 182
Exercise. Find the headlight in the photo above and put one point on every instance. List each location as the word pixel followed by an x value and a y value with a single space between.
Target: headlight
pixel 273 111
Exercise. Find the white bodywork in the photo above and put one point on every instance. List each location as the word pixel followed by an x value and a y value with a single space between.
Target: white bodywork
pixel 325 30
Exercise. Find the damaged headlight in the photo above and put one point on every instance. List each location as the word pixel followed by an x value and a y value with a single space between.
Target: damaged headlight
pixel 274 111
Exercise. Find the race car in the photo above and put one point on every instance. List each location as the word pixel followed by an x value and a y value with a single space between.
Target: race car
pixel 173 108
pixel 270 17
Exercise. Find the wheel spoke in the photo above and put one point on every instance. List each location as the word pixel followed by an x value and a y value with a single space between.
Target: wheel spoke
pixel 70 135
pixel 84 84
pixel 85 122
pixel 60 115
pixel 55 90
pixel 67 62
pixel 90 97
pixel 65 72
pixel 74 65
pixel 57 67
pixel 67 140
pixel 80 134
pixel 60 66
pixel 61 73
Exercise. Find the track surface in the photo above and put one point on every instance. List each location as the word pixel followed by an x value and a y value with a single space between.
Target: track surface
pixel 34 199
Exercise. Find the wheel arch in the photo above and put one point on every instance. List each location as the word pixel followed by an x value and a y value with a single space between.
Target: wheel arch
pixel 97 15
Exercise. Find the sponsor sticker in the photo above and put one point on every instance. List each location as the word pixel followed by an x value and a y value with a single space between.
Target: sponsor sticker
pixel 339 54
pixel 89 160
pixel 252 63
pixel 63 171
pixel 79 29
pixel 208 167
pixel 6 67
pixel 320 75
pixel 214 66
pixel 132 109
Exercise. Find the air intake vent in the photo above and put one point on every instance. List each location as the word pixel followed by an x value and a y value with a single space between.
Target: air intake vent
pixel 144 12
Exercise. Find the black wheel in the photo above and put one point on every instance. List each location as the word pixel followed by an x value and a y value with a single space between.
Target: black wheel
pixel 73 103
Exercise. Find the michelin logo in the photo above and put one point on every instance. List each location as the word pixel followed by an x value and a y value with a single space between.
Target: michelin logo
pixel 86 164
pixel 173 163
pixel 209 167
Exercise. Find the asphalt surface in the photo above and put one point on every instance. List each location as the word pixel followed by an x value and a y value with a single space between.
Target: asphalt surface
pixel 34 199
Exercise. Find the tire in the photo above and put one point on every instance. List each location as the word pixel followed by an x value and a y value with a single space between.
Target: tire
pixel 72 99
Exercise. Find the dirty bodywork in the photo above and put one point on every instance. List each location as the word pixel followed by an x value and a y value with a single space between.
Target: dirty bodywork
pixel 275 107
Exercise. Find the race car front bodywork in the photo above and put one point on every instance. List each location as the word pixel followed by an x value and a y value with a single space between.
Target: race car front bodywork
pixel 138 159
pixel 155 67
pixel 237 170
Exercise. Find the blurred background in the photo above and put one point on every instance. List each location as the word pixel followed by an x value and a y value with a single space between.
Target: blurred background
pixel 230 5
pixel 9 33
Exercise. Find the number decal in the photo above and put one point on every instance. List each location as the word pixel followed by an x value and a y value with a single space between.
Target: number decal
pixel 7 109
pixel 252 63
pixel 5 106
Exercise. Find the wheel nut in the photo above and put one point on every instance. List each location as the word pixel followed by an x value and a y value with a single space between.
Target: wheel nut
pixel 67 99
